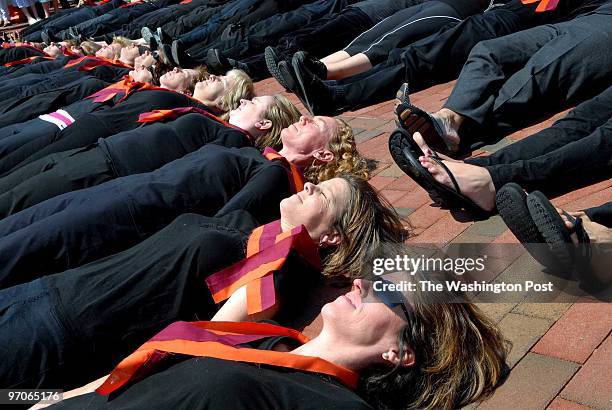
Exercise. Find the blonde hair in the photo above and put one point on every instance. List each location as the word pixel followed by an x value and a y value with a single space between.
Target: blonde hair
pixel 282 113
pixel 366 222
pixel 89 48
pixel 202 74
pixel 242 89
pixel 346 158
pixel 123 41
pixel 459 356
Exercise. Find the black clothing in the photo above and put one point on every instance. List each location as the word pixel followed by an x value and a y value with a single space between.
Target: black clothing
pixel 255 38
pixel 575 151
pixel 337 30
pixel 121 301
pixel 158 18
pixel 77 227
pixel 466 8
pixel 114 19
pixel 88 127
pixel 140 150
pixel 39 67
pixel 601 214
pixel 550 67
pixel 208 383
pixel 440 57
pixel 403 28
pixel 51 100
pixel 18 53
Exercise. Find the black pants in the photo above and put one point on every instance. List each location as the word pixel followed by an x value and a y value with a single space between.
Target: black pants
pixel 157 18
pixel 51 176
pixel 259 35
pixel 434 59
pixel 402 28
pixel 114 19
pixel 337 30
pixel 512 81
pixel 17 53
pixel 601 214
pixel 575 151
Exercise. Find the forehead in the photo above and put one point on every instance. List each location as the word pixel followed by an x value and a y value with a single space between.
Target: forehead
pixel 264 100
pixel 327 122
pixel 337 186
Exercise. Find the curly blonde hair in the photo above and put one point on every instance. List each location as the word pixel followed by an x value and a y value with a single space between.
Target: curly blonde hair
pixel 282 113
pixel 366 222
pixel 346 158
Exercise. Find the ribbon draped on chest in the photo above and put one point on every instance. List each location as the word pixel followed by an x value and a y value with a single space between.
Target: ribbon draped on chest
pixel 220 340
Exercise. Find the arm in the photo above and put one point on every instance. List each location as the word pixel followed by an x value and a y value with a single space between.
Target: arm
pixel 88 388
pixel 235 309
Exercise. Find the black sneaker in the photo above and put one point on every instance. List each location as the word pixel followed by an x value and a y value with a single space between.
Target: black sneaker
pixel 317 97
pixel 176 50
pixel 46 38
pixel 149 37
pixel 313 65
pixel 239 65
pixel 162 36
pixel 272 61
pixel 167 54
pixel 216 62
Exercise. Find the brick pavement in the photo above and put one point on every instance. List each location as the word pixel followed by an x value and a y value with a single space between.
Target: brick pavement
pixel 562 352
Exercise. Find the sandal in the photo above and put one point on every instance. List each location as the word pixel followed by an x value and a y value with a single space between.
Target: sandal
pixel 406 156
pixel 413 119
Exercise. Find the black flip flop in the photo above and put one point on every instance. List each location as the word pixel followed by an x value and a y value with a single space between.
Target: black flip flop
pixel 407 158
pixel 413 119
pixel 511 204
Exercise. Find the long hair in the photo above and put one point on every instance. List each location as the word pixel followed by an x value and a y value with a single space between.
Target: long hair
pixel 459 357
pixel 282 113
pixel 346 158
pixel 367 222
pixel 243 88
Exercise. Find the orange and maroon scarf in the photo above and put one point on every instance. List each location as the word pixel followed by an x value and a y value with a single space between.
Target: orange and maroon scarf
pixel 26 60
pixel 220 340
pixel 296 178
pixel 267 250
pixel 122 88
pixel 545 5
pixel 91 62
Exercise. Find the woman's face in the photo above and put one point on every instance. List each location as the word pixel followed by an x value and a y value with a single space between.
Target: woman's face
pixel 317 207
pixel 53 50
pixel 306 137
pixel 146 59
pixel 359 318
pixel 106 52
pixel 141 74
pixel 177 79
pixel 214 88
pixel 129 54
pixel 250 112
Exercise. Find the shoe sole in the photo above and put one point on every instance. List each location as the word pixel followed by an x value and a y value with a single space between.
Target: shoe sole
pixel 511 203
pixel 301 89
pixel 551 227
pixel 272 64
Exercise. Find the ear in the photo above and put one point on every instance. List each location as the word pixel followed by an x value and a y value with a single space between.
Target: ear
pixel 392 356
pixel 324 155
pixel 263 125
pixel 330 239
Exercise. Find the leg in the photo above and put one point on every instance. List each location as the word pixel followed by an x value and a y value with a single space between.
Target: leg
pixel 71 170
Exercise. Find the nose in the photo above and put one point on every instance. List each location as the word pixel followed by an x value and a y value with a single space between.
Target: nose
pixel 309 188
pixel 243 101
pixel 359 285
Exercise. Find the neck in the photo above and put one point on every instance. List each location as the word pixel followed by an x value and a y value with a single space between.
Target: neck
pixel 327 349
pixel 296 160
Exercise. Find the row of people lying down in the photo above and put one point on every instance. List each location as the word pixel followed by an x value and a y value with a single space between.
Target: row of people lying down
pixel 211 31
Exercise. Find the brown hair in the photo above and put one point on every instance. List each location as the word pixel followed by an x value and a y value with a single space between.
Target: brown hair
pixel 459 356
pixel 346 158
pixel 365 223
pixel 201 75
pixel 282 113
pixel 89 48
pixel 243 88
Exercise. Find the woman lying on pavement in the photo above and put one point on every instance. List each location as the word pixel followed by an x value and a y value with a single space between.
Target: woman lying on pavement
pixel 376 349
pixel 122 300
pixel 84 225
pixel 216 94
pixel 575 151
pixel 568 243
pixel 145 149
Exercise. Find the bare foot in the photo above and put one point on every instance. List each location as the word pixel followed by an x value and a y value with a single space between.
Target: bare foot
pixel 474 182
pixel 450 122
pixel 418 138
